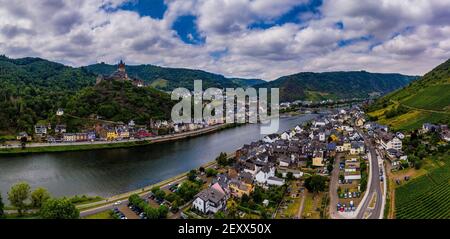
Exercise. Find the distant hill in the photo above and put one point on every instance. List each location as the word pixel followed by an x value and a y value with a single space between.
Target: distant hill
pixel 424 100
pixel 33 89
pixel 121 101
pixel 336 85
pixel 168 79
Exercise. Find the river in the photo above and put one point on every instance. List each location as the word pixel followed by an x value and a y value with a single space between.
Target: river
pixel 114 171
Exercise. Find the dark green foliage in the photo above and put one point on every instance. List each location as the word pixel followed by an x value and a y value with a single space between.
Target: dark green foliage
pixel 59 209
pixel 18 196
pixel 316 183
pixel 188 190
pixel 336 85
pixel 171 78
pixel 223 160
pixel 192 175
pixel 150 212
pixel 428 95
pixel 32 89
pixel 121 101
pixel 210 172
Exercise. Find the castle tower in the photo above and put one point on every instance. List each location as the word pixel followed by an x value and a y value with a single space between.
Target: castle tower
pixel 121 66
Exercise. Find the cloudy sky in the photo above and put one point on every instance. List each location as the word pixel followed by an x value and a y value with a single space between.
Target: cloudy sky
pixel 240 38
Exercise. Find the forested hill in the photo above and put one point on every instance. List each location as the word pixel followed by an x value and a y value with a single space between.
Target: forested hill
pixel 336 85
pixel 168 79
pixel 120 102
pixel 32 89
pixel 424 100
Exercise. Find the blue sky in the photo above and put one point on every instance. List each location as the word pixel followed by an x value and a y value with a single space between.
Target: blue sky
pixel 237 38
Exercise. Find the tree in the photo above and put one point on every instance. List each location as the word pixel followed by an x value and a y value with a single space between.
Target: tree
pixel 222 159
pixel 18 194
pixel 289 176
pixel 38 197
pixel 59 209
pixel 210 172
pixel 315 183
pixel 192 175
pixel 2 206
pixel 163 210
pixel 219 215
pixel 330 168
pixel 151 213
pixel 160 194
pixel 232 208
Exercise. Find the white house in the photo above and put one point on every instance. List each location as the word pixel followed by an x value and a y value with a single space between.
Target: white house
pixel 210 200
pixel 285 136
pixel 285 162
pixel 270 138
pixel 274 181
pixel 264 174
pixel 322 137
pixel 400 135
pixel 389 142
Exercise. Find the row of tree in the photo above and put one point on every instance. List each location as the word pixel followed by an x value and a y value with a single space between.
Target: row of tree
pixel 23 199
pixel 150 212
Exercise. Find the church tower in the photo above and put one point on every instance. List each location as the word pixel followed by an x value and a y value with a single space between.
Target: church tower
pixel 121 66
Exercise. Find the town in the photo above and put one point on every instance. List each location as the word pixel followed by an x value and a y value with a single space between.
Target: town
pixel 331 167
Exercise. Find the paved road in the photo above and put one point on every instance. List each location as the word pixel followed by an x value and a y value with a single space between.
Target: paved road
pixel 155 139
pixel 334 183
pixel 375 187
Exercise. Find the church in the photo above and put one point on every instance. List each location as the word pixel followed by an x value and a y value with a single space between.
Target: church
pixel 120 75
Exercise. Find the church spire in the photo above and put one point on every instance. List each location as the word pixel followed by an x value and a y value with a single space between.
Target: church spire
pixel 121 66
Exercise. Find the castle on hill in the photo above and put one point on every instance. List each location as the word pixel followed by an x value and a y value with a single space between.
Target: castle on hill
pixel 120 75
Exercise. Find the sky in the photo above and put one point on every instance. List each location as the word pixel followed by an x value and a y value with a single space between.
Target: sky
pixel 262 39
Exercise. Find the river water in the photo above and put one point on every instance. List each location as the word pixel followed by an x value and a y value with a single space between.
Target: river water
pixel 114 171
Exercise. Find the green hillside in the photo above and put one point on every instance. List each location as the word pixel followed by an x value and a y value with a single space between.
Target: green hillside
pixel 424 100
pixel 168 79
pixel 121 101
pixel 32 89
pixel 336 85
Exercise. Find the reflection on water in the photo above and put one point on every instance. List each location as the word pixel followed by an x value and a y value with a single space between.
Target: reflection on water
pixel 113 171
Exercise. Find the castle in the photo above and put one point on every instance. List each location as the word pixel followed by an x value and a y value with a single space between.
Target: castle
pixel 120 75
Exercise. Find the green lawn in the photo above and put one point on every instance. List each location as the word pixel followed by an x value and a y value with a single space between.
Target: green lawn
pixel 101 215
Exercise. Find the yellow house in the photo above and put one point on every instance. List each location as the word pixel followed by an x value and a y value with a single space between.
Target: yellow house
pixel 318 159
pixel 124 134
pixel 112 135
pixel 239 188
pixel 359 122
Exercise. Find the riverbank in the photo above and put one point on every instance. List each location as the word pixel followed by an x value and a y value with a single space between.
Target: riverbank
pixel 84 146
pixel 107 204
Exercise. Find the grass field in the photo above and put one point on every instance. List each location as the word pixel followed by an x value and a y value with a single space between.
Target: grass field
pixel 427 197
pixel 413 120
pixel 435 97
pixel 101 215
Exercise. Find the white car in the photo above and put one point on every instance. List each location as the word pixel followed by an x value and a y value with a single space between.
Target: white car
pixel 117 203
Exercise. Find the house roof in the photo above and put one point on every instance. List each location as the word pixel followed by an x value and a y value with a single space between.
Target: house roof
pixel 212 194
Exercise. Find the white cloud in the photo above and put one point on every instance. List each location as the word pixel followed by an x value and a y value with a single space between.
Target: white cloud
pixel 385 35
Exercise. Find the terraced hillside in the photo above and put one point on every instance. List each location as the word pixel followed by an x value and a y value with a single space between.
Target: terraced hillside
pixel 427 197
pixel 424 100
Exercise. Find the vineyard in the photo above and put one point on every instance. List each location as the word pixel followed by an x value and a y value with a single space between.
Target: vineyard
pixel 427 197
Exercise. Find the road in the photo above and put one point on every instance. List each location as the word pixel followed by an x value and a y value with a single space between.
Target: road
pixel 374 189
pixel 155 139
pixel 334 183
pixel 125 201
